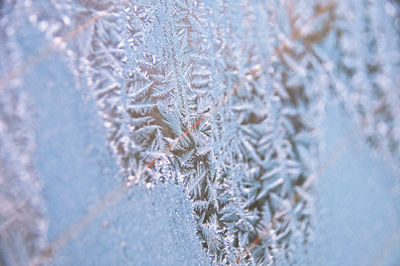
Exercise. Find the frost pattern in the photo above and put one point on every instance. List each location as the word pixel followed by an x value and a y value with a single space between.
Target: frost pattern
pixel 23 228
pixel 368 71
pixel 225 97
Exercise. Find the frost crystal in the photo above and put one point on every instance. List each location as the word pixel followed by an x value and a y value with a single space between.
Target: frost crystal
pixel 225 98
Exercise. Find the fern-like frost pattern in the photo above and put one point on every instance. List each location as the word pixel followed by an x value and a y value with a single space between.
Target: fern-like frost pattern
pixel 225 98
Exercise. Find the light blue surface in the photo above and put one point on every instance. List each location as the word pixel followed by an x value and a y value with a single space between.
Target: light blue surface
pixel 357 205
pixel 357 198
pixel 358 221
pixel 78 172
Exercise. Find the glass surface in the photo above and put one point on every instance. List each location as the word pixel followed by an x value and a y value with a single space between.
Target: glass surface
pixel 158 132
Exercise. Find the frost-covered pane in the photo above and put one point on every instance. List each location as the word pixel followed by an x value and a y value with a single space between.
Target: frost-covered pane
pixel 225 99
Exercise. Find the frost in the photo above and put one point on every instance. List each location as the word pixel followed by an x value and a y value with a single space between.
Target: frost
pixel 23 228
pixel 189 81
pixel 231 94
pixel 368 72
pixel 226 98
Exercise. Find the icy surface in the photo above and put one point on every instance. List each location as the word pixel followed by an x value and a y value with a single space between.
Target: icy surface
pixel 358 198
pixel 357 194
pixel 189 132
pixel 143 227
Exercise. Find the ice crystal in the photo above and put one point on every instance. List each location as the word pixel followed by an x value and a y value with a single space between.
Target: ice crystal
pixel 230 94
pixel 225 97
